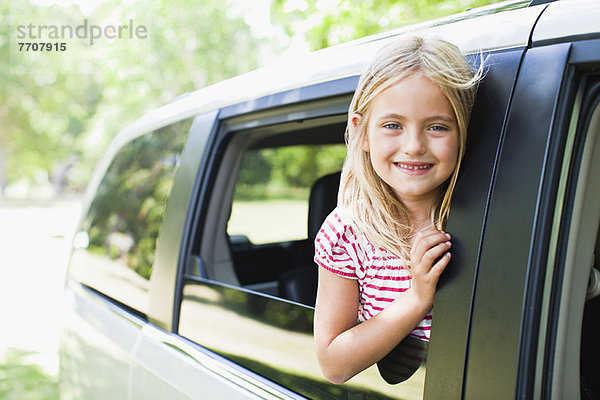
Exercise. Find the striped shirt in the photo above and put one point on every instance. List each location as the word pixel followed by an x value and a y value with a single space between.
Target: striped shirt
pixel 381 276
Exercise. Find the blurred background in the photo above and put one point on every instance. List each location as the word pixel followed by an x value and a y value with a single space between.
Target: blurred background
pixel 59 110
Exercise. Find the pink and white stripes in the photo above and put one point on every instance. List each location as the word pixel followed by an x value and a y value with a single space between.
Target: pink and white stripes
pixel 381 276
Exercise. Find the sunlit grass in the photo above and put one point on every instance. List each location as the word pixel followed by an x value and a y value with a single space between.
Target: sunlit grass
pixel 269 221
pixel 22 378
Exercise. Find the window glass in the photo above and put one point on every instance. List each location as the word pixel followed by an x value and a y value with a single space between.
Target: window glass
pixel 274 338
pixel 273 185
pixel 119 233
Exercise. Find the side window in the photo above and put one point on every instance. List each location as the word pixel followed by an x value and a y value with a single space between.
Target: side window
pixel 115 247
pixel 251 298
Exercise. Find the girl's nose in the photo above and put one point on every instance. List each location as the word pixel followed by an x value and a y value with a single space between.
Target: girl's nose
pixel 414 143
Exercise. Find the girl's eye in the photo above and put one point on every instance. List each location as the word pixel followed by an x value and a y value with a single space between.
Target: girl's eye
pixel 438 128
pixel 392 125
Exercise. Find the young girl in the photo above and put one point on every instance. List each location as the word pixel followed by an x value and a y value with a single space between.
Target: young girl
pixel 382 250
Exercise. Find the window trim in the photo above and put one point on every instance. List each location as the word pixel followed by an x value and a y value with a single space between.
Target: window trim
pixel 163 310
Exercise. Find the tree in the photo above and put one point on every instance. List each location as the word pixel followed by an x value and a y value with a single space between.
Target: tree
pixel 61 106
pixel 325 23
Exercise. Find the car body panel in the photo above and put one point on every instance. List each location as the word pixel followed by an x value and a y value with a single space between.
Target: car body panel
pixel 504 263
pixel 97 341
pixel 466 224
pixel 572 20
pixel 162 368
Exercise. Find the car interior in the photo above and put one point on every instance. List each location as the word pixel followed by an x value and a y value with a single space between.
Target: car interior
pixel 281 268
pixel 590 332
pixel 590 327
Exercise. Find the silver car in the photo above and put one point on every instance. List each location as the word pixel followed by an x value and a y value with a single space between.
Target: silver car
pixel 191 275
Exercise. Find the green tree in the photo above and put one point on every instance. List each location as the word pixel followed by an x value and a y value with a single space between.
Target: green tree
pixel 43 103
pixel 59 109
pixel 326 23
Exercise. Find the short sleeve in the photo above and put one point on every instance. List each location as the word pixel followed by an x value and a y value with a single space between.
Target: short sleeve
pixel 336 247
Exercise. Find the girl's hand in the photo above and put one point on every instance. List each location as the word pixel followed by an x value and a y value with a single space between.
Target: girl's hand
pixel 429 257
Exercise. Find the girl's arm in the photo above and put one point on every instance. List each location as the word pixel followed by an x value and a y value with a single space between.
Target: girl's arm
pixel 345 348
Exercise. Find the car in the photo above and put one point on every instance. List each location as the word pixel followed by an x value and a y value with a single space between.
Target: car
pixel 191 273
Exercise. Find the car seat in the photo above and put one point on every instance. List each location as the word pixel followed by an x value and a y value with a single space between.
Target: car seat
pixel 300 284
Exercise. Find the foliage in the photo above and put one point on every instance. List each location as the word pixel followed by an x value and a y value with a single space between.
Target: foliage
pixel 325 23
pixel 286 172
pixel 23 379
pixel 59 110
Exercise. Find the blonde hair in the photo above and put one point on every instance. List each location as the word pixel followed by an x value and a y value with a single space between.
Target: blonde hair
pixel 372 204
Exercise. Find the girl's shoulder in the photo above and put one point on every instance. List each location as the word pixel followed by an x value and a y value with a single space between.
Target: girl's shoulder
pixel 337 246
pixel 342 248
pixel 339 231
pixel 339 223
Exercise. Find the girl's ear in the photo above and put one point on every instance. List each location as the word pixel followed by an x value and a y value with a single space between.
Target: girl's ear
pixel 355 121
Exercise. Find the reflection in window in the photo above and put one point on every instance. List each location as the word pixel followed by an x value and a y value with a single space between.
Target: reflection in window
pixel 274 339
pixel 124 218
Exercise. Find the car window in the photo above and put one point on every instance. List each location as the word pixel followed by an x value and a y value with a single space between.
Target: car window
pixel 116 245
pixel 273 185
pixel 253 302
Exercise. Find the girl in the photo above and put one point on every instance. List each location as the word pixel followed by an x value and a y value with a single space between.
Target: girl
pixel 382 250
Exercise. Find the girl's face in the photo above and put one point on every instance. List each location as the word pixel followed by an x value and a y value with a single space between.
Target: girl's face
pixel 412 138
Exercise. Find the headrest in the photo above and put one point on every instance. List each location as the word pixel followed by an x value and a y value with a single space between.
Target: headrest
pixel 323 199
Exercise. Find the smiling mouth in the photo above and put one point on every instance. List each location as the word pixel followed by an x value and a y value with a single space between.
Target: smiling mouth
pixel 414 167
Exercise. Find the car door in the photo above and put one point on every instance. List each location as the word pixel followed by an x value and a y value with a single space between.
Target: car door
pixel 250 323
pixel 452 311
pixel 517 213
pixel 525 322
